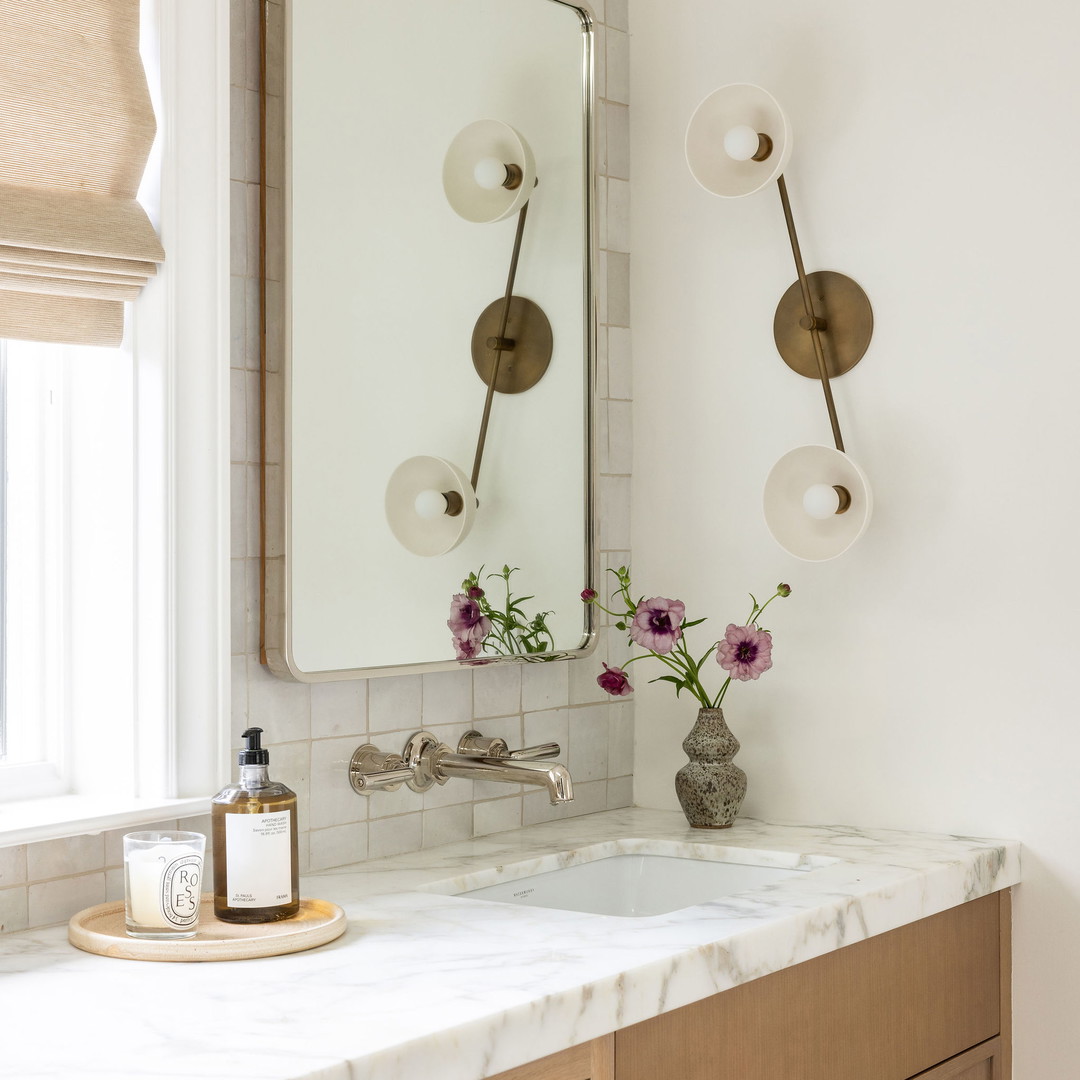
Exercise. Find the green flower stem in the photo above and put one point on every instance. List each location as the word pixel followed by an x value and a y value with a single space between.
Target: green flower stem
pixel 723 691
pixel 692 670
pixel 665 659
pixel 756 612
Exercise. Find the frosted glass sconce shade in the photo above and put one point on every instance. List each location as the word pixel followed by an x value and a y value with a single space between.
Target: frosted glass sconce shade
pixel 723 148
pixel 817 502
pixel 430 505
pixel 489 172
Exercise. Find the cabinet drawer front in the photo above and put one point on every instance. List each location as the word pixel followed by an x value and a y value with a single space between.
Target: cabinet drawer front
pixel 886 1008
pixel 982 1062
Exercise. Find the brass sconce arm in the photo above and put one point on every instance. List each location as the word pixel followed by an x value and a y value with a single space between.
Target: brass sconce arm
pixel 501 344
pixel 810 321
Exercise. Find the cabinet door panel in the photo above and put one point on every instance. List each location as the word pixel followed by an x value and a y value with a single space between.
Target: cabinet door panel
pixel 886 1008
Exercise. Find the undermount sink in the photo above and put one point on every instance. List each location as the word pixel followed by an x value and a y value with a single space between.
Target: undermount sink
pixel 631 878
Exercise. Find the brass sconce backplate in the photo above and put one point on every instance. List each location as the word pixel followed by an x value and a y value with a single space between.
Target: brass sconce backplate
pixel 845 319
pixel 522 364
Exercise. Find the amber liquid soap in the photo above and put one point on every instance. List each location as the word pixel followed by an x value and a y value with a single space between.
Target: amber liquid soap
pixel 256 869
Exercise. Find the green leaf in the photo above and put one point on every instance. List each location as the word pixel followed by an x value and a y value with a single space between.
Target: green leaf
pixel 620 626
pixel 695 622
pixel 671 679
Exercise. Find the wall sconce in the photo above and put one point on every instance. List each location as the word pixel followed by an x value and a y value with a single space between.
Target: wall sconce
pixel 489 173
pixel 817 500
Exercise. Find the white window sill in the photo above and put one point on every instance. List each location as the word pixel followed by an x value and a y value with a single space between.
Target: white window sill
pixel 28 820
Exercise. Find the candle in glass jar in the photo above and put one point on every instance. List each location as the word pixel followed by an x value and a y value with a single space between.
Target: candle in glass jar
pixel 163 874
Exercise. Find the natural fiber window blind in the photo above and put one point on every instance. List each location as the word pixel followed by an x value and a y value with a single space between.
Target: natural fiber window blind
pixel 76 126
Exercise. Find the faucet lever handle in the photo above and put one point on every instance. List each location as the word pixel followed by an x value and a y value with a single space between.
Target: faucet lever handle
pixel 476 745
pixel 372 770
pixel 535 753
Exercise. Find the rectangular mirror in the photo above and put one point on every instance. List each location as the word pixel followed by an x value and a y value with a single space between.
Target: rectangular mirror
pixel 429 164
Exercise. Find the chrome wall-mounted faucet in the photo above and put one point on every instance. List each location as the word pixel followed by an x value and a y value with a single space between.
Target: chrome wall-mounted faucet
pixel 427 761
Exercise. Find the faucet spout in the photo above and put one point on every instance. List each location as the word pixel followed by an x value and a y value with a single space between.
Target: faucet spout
pixel 553 776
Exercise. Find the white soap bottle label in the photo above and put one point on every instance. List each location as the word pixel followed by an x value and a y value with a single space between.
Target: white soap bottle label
pixel 258 859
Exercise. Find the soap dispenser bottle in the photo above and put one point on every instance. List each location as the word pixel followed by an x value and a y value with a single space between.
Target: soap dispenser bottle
pixel 256 872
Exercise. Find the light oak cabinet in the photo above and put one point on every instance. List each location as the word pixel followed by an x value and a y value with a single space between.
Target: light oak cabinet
pixel 928 1001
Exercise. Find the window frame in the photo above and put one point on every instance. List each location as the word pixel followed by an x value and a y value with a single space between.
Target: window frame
pixel 181 336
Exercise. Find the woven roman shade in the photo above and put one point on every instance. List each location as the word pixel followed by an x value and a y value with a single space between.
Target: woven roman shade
pixel 76 126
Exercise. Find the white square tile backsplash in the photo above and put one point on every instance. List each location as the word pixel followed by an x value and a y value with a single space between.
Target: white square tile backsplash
pixel 313 729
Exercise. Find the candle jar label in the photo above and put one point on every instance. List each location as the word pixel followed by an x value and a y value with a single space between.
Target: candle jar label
pixel 180 890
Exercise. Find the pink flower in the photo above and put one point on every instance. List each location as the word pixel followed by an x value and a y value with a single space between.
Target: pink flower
pixel 614 681
pixel 468 624
pixel 657 623
pixel 588 595
pixel 466 618
pixel 464 648
pixel 745 652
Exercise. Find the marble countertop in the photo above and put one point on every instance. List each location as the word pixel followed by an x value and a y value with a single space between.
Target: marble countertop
pixel 424 984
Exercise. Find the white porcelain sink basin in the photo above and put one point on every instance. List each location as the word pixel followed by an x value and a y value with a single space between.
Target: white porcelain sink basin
pixel 631 877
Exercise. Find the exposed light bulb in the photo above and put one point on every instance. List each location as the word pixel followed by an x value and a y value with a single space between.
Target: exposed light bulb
pixel 490 173
pixel 430 504
pixel 821 501
pixel 741 142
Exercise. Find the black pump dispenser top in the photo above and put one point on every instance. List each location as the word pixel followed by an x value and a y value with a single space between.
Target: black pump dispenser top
pixel 253 754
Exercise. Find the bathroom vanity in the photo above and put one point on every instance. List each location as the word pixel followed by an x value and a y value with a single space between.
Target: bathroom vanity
pixel 934 991
pixel 872 955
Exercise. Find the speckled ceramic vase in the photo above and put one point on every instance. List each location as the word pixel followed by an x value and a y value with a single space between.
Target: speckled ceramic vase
pixel 710 788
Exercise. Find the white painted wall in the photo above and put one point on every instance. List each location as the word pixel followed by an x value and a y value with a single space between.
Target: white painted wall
pixel 925 680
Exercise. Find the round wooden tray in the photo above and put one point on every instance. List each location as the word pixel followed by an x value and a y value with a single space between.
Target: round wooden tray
pixel 101 930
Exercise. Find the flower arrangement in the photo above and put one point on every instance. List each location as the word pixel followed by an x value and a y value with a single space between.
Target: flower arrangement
pixel 659 626
pixel 476 626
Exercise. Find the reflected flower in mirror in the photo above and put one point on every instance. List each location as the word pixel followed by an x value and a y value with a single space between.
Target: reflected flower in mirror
pixel 478 626
pixel 468 623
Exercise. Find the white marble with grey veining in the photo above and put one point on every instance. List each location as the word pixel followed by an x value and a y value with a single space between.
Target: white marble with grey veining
pixel 426 984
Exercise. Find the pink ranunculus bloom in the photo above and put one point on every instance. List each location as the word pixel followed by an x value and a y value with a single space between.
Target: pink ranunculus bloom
pixel 657 624
pixel 614 681
pixel 745 652
pixel 465 648
pixel 467 622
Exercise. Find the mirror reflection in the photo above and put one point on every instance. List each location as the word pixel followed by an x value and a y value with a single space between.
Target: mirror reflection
pixel 434 504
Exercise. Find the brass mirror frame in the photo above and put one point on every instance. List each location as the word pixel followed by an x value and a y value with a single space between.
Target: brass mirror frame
pixel 274 481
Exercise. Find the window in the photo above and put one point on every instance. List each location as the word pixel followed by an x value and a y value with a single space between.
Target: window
pixel 115 502
pixel 69 556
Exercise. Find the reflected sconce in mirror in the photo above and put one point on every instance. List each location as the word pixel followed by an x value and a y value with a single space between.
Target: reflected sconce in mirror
pixel 817 500
pixel 488 175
